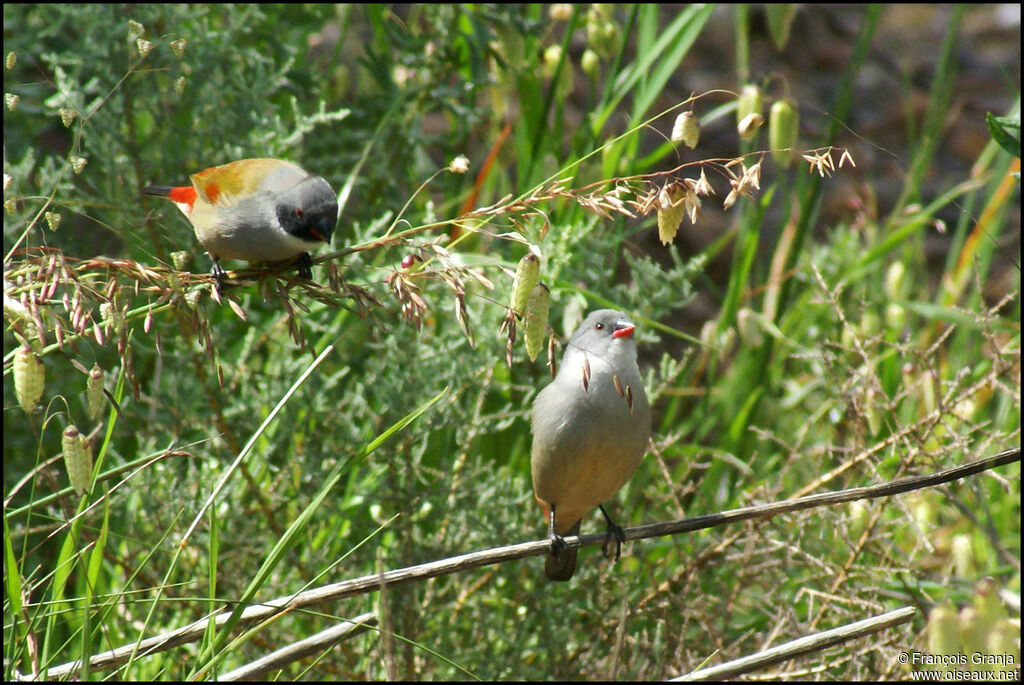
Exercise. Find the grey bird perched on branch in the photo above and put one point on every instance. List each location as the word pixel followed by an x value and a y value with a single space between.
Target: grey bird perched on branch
pixel 590 430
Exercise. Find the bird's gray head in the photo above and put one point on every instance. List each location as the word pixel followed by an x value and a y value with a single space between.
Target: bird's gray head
pixel 309 210
pixel 603 331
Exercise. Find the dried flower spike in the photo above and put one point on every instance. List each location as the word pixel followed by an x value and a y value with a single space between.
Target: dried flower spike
pixel 29 378
pixel 742 183
pixel 536 319
pixel 703 187
pixel 78 459
pixel 822 161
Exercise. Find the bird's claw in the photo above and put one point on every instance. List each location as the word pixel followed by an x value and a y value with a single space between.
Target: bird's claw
pixel 558 544
pixel 305 266
pixel 613 531
pixel 219 274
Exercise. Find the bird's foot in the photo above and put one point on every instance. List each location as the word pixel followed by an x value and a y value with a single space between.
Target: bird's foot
pixel 306 266
pixel 615 531
pixel 219 274
pixel 558 544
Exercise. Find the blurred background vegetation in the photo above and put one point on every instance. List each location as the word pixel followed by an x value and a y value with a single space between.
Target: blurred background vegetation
pixel 827 331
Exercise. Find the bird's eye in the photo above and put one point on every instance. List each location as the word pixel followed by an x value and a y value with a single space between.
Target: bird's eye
pixel 599 326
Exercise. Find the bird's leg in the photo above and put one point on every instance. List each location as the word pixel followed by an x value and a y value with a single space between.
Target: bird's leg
pixel 306 266
pixel 558 543
pixel 614 530
pixel 219 274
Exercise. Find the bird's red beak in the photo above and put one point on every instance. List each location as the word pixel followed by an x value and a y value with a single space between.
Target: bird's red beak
pixel 623 329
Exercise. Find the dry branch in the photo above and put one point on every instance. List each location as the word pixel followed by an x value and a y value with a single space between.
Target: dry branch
pixel 310 646
pixel 357 586
pixel 800 646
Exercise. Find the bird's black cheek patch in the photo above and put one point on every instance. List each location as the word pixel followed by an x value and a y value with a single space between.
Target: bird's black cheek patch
pixel 290 217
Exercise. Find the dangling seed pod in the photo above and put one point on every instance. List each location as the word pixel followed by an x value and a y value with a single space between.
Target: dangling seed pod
pixel 686 129
pixel 671 209
pixel 78 459
pixel 527 275
pixel 895 276
pixel 52 220
pixel 178 47
pixel 749 326
pixel 962 552
pixel 590 63
pixel 536 319
pixel 944 630
pixel 749 125
pixel 94 392
pixel 412 263
pixel 180 260
pixel 29 378
pixel 783 126
pixel 748 111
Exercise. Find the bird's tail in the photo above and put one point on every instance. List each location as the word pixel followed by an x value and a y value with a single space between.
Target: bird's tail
pixel 561 566
pixel 159 191
pixel 183 196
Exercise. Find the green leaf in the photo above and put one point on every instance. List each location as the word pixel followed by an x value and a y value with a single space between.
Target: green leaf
pixel 1005 131
pixel 780 19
